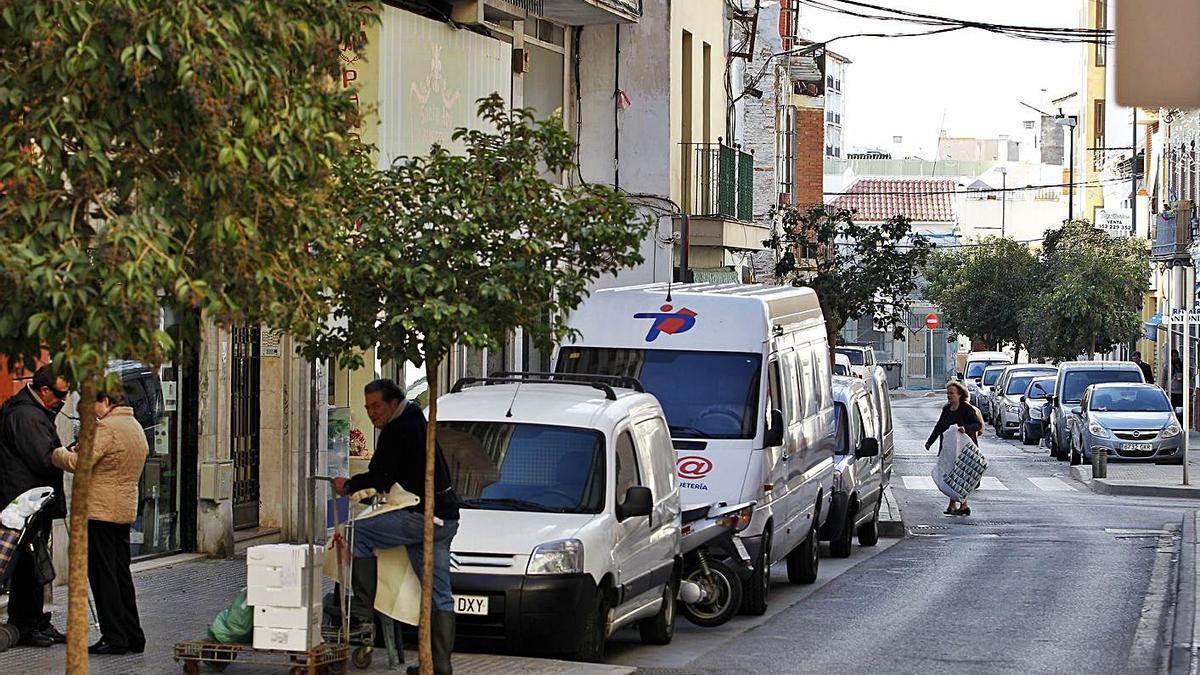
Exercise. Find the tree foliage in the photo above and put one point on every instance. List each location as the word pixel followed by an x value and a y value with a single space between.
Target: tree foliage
pixel 982 290
pixel 465 248
pixel 856 270
pixel 182 154
pixel 1087 294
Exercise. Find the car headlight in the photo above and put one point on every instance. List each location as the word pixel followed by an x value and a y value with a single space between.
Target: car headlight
pixel 1171 430
pixel 557 557
pixel 1035 413
pixel 1096 429
pixel 1013 408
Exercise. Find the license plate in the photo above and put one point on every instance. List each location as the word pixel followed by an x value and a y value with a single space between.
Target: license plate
pixel 741 549
pixel 471 604
pixel 1137 447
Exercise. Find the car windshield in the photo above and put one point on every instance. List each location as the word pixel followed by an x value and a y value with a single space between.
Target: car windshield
pixel 990 375
pixel 855 355
pixel 976 368
pixel 1075 381
pixel 524 467
pixel 1041 388
pixel 1129 399
pixel 704 394
pixel 841 369
pixel 1017 384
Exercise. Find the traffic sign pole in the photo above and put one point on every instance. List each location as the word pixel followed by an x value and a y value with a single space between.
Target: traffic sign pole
pixel 1187 391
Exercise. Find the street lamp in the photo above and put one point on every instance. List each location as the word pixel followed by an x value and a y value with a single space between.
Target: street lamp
pixel 1069 121
pixel 1003 197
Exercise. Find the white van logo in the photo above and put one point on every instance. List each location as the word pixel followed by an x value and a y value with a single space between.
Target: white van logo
pixel 693 467
pixel 668 321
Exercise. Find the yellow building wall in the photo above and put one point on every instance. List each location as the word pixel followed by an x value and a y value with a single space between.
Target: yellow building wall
pixel 705 20
pixel 1095 84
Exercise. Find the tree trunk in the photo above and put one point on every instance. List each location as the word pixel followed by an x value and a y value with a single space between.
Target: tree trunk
pixel 425 650
pixel 77 568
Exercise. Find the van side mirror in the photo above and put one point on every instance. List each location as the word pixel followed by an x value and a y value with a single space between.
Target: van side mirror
pixel 958 376
pixel 638 502
pixel 1022 398
pixel 868 448
pixel 774 434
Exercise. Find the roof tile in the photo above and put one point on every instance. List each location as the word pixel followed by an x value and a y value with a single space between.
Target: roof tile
pixel 920 199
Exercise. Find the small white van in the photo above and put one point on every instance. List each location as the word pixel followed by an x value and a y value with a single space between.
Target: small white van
pixel 743 374
pixel 570 522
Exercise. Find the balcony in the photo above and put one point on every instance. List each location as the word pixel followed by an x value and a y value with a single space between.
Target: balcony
pixel 591 12
pixel 1173 236
pixel 717 194
pixel 718 181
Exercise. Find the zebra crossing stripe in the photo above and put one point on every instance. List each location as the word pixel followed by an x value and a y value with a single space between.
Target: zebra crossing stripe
pixel 1051 484
pixel 991 483
pixel 1043 483
pixel 919 483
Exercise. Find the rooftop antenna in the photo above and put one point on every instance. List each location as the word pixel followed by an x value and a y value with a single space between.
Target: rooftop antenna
pixel 514 399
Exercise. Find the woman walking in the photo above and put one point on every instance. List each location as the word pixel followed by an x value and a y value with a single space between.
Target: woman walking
pixel 120 453
pixel 959 412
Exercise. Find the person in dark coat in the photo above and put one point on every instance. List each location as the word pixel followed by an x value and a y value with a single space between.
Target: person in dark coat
pixel 1147 371
pixel 28 440
pixel 959 412
pixel 400 459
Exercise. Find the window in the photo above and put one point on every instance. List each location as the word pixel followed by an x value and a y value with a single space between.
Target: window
pixel 808 381
pixel 1101 21
pixel 773 400
pixel 1129 399
pixel 862 416
pixel 829 82
pixel 842 429
pixel 704 394
pixel 820 358
pixel 1028 124
pixel 791 394
pixel 658 453
pixel 1076 381
pixel 1098 123
pixel 627 469
pixel 525 467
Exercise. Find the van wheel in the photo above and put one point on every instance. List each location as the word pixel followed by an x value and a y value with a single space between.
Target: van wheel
pixel 758 586
pixel 868 532
pixel 595 631
pixel 841 546
pixel 804 561
pixel 660 628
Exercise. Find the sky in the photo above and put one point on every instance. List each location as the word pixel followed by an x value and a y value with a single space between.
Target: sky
pixel 976 80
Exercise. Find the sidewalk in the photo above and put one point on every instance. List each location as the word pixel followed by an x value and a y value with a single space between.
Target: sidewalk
pixel 178 602
pixel 1146 480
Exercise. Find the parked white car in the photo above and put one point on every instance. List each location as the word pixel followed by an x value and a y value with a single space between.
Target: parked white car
pixel 570 523
pixel 743 373
pixel 859 478
pixel 862 358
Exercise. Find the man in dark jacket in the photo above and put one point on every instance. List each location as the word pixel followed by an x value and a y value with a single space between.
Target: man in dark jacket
pixel 1147 371
pixel 28 440
pixel 400 459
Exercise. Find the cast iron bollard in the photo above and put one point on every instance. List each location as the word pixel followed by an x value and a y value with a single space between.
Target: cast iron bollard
pixel 1099 464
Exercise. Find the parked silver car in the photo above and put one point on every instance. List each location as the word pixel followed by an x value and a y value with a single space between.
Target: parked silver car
pixel 1127 421
pixel 1074 378
pixel 981 394
pixel 1006 396
pixel 858 476
pixel 1035 409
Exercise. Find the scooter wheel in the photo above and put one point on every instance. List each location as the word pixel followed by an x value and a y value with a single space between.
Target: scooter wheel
pixel 723 595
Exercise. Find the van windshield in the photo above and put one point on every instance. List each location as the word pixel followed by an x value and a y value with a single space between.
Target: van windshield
pixel 1075 381
pixel 975 368
pixel 704 394
pixel 524 467
pixel 856 356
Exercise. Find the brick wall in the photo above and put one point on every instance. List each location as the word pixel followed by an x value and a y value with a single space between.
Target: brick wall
pixel 810 156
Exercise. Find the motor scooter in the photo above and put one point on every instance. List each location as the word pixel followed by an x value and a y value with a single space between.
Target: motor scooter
pixel 715 562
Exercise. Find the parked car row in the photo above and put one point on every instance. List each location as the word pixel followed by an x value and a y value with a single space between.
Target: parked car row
pixel 584 490
pixel 1080 408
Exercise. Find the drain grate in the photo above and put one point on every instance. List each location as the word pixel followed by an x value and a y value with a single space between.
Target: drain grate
pixel 924 528
pixel 986 523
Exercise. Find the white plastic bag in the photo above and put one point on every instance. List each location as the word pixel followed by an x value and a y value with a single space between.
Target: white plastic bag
pixel 17 513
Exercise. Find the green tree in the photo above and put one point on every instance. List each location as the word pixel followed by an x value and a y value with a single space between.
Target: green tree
pixel 181 154
pixel 461 249
pixel 1087 293
pixel 856 270
pixel 982 289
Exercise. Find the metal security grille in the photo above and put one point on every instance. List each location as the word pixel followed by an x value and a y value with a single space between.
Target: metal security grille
pixel 244 422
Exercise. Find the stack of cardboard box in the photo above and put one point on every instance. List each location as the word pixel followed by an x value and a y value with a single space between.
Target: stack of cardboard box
pixel 283 583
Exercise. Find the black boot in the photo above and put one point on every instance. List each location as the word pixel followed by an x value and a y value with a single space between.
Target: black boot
pixel 362 583
pixel 441 640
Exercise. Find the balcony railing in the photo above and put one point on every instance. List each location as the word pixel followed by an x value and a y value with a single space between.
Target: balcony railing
pixel 1173 236
pixel 718 180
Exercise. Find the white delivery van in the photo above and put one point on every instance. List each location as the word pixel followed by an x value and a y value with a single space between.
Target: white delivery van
pixel 743 374
pixel 570 522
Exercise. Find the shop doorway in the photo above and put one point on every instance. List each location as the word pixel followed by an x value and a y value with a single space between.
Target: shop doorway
pixel 244 425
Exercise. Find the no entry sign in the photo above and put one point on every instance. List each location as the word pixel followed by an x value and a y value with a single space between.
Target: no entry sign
pixel 932 321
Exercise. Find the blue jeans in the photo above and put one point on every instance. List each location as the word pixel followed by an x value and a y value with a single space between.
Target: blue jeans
pixel 406 528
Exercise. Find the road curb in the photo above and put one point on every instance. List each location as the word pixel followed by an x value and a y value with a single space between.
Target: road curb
pixel 891 523
pixel 1181 645
pixel 1107 486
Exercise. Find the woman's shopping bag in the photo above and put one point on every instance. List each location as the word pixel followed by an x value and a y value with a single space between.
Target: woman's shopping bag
pixel 960 465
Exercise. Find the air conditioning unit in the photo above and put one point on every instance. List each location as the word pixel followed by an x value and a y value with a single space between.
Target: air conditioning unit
pixel 476 12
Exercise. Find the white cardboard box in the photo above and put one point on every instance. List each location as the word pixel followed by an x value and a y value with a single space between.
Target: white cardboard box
pixel 273 586
pixel 283 555
pixel 287 617
pixel 289 639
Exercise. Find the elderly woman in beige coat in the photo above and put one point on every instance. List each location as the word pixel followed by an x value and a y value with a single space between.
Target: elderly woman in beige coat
pixel 120 453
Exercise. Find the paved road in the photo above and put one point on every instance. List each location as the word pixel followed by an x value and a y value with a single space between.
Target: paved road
pixel 1043 577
